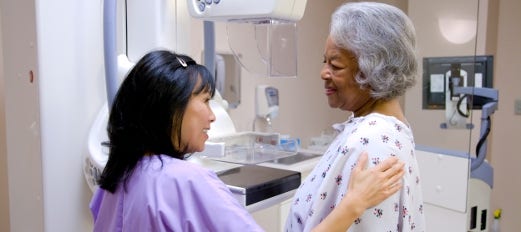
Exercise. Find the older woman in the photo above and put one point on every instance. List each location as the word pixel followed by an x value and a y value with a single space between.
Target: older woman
pixel 369 61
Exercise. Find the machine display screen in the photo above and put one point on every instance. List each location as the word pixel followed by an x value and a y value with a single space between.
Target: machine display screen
pixel 475 71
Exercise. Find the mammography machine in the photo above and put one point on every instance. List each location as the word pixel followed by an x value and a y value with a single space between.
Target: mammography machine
pixel 457 186
pixel 162 24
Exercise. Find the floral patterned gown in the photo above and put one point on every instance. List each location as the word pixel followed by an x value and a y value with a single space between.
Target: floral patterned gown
pixel 381 136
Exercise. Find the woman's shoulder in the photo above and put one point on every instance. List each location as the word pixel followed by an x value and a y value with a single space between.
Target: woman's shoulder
pixel 377 131
pixel 175 177
pixel 376 122
pixel 169 168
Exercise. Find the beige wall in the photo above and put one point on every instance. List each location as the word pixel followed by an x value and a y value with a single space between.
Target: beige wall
pixel 22 154
pixel 506 132
pixel 426 123
pixel 4 190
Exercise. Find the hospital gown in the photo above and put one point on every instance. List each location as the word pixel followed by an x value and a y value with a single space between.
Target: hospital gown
pixel 381 136
pixel 170 195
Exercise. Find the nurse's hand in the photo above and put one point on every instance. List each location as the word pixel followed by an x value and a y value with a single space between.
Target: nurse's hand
pixel 370 186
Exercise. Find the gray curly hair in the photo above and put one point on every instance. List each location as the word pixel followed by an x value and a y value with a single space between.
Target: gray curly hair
pixel 383 40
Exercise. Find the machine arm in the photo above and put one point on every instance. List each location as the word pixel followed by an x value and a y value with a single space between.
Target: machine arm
pixel 486 111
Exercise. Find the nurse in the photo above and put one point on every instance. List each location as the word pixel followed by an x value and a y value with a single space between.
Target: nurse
pixel 160 114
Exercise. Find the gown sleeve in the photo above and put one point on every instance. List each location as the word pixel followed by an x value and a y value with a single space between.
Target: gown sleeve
pixel 402 211
pixel 327 184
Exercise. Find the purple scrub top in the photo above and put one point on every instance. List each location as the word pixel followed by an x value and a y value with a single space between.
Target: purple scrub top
pixel 168 194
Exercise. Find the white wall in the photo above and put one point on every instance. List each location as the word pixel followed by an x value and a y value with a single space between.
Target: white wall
pixel 48 119
pixel 71 93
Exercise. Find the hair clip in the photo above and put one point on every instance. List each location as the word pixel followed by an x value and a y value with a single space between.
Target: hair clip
pixel 182 62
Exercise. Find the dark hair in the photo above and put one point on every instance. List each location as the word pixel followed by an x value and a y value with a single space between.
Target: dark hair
pixel 147 112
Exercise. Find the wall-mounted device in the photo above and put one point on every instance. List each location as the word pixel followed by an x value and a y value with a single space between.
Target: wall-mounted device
pixel 441 74
pixel 228 79
pixel 266 102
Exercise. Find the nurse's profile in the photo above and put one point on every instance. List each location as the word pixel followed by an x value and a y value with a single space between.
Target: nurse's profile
pixel 160 114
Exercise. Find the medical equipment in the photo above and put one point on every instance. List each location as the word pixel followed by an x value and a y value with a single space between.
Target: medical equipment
pixel 475 71
pixel 456 111
pixel 261 34
pixel 164 24
pixel 248 147
pixel 254 183
pixel 236 10
pixel 456 186
pixel 266 102
pixel 442 74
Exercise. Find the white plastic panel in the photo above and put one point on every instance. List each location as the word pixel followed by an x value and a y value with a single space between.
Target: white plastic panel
pixel 479 197
pixel 291 10
pixel 444 180
pixel 156 24
pixel 439 219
